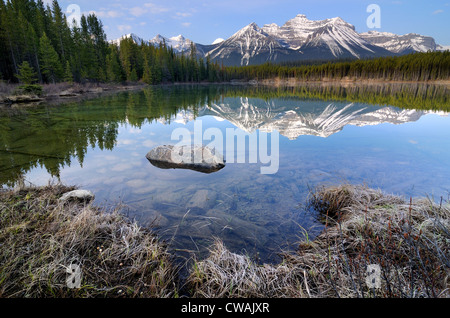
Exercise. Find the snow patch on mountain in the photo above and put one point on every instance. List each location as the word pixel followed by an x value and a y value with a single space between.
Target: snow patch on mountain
pixel 136 39
pixel 179 43
pixel 400 43
pixel 218 40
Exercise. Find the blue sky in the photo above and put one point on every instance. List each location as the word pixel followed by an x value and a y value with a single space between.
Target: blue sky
pixel 203 21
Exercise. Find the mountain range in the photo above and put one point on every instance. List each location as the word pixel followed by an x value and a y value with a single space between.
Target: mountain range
pixel 298 39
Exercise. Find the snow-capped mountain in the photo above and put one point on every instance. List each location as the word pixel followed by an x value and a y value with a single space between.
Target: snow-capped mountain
pixel 136 39
pixel 401 44
pixel 335 34
pixel 250 45
pixel 179 43
pixel 299 39
pixel 443 47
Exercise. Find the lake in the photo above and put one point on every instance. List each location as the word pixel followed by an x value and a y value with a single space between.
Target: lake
pixel 396 138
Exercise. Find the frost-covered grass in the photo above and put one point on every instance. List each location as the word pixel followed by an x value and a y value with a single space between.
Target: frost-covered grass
pixel 409 240
pixel 40 237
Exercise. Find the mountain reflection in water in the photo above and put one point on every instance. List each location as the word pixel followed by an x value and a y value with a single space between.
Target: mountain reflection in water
pixel 101 144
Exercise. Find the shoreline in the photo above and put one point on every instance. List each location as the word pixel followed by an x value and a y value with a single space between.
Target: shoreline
pixel 347 81
pixel 65 92
pixel 363 227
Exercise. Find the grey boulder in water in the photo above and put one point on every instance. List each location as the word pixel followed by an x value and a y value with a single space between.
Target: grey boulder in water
pixel 197 158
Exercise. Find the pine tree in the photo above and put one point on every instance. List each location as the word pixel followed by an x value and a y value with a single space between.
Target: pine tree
pixel 26 75
pixel 147 76
pixel 60 30
pixel 133 76
pixel 50 63
pixel 68 75
pixel 88 59
pixel 114 71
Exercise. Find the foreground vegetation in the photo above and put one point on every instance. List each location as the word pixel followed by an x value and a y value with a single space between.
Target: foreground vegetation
pixel 40 237
pixel 409 241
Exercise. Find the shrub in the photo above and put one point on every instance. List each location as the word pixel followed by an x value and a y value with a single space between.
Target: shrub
pixel 29 89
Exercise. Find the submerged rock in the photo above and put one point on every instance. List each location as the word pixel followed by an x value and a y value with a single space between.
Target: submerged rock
pixel 201 201
pixel 77 195
pixel 197 158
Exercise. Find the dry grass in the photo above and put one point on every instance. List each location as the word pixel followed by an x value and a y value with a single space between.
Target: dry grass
pixel 7 89
pixel 40 237
pixel 409 241
pixel 227 275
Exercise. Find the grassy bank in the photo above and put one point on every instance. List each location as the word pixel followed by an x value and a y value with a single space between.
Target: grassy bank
pixel 40 237
pixel 407 240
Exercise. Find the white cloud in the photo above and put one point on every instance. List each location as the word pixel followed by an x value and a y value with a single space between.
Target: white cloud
pixel 438 11
pixel 138 11
pixel 124 27
pixel 155 9
pixel 108 14
pixel 186 24
pixel 183 14
pixel 148 8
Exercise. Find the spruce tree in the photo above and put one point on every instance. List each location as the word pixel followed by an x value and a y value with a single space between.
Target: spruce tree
pixel 26 75
pixel 50 64
pixel 114 71
pixel 147 76
pixel 68 75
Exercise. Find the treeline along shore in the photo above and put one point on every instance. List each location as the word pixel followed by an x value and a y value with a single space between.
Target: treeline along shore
pixel 37 45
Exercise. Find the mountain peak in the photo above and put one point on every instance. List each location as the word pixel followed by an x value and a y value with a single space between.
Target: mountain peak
pixel 178 38
pixel 136 39
pixel 400 44
pixel 337 20
pixel 301 16
pixel 252 28
pixel 252 25
pixel 179 43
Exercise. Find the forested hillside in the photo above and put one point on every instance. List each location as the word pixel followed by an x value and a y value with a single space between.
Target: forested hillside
pixel 40 37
